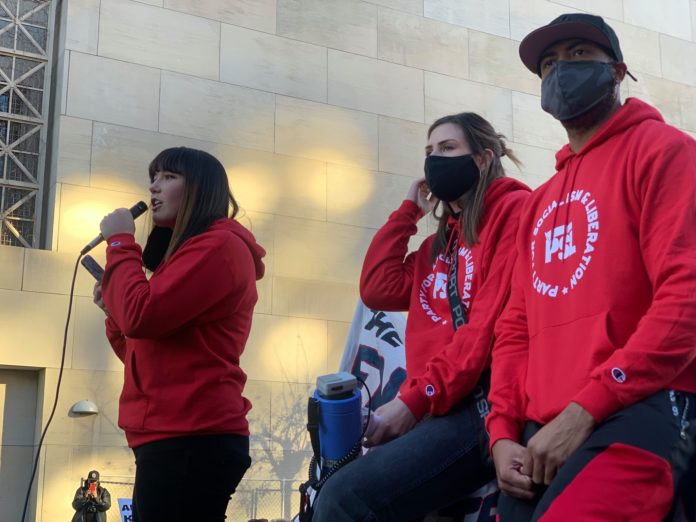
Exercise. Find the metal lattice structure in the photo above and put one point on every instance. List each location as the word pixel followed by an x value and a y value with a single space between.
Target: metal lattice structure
pixel 24 61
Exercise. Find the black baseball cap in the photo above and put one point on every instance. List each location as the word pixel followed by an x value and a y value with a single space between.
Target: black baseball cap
pixel 567 26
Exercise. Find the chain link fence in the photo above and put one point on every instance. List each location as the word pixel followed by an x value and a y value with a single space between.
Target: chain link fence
pixel 272 499
pixel 264 499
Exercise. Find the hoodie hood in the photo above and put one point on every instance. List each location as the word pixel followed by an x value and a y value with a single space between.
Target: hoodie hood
pixel 497 191
pixel 159 238
pixel 257 251
pixel 631 113
pixel 500 188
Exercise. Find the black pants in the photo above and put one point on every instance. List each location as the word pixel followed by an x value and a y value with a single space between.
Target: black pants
pixel 629 469
pixel 188 478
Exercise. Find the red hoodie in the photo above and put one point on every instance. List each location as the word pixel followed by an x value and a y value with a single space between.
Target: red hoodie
pixel 603 303
pixel 180 335
pixel 443 366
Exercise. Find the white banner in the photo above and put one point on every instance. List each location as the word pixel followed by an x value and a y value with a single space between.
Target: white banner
pixel 374 352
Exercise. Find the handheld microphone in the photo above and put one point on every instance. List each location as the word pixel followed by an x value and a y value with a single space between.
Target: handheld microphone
pixel 136 211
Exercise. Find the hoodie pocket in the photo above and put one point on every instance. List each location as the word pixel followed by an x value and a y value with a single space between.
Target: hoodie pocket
pixel 562 358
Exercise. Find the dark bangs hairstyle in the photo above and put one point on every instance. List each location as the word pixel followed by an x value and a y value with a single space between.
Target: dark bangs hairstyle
pixel 207 195
pixel 480 136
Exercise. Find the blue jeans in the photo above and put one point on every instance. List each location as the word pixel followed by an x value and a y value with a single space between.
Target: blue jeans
pixel 437 463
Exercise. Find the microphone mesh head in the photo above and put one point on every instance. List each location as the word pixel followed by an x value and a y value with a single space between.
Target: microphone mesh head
pixel 138 209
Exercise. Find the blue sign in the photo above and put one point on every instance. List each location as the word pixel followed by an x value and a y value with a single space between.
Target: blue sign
pixel 125 507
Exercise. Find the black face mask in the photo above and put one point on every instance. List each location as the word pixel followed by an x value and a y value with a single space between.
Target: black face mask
pixel 450 178
pixel 573 88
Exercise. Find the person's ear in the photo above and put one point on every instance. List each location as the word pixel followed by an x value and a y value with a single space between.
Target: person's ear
pixel 620 70
pixel 484 160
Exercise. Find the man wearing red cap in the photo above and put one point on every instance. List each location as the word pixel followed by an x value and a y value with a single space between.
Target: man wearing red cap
pixel 594 366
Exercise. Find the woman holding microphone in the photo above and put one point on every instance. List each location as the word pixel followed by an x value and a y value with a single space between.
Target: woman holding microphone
pixel 180 335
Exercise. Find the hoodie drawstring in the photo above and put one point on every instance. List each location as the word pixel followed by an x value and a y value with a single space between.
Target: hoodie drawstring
pixel 453 235
pixel 573 178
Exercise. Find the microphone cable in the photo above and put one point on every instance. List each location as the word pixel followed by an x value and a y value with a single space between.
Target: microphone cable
pixel 60 378
pixel 136 211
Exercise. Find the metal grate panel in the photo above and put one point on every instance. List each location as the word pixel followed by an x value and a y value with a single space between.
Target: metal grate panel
pixel 24 38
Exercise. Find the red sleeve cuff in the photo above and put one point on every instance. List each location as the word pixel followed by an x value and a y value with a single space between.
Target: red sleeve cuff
pixel 120 239
pixel 416 402
pixel 502 428
pixel 598 400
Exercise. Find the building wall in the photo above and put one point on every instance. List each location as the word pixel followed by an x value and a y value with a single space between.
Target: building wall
pixel 318 109
pixel 18 394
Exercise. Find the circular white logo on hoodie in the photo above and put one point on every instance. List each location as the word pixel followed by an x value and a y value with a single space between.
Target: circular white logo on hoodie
pixel 434 286
pixel 556 239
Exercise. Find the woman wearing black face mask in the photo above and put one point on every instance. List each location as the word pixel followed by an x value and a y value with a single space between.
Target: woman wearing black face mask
pixel 430 442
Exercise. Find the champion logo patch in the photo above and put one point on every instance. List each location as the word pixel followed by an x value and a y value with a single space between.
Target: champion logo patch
pixel 618 375
pixel 430 390
pixel 116 243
